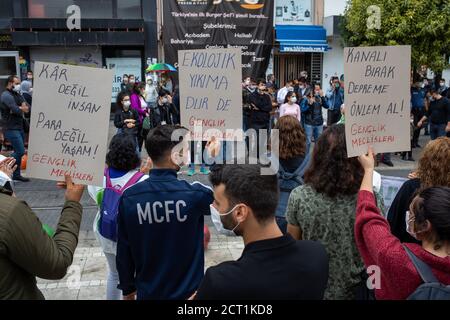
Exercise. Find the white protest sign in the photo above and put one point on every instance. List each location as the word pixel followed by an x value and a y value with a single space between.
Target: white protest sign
pixel 211 93
pixel 377 99
pixel 69 123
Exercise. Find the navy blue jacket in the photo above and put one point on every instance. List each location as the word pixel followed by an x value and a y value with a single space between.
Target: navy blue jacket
pixel 160 237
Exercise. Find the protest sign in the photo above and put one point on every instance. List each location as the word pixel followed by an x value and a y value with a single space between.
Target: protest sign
pixel 377 99
pixel 211 93
pixel 69 123
pixel 389 189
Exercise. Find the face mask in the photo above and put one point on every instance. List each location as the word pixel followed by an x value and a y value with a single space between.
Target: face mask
pixel 17 88
pixel 126 105
pixel 442 84
pixel 293 99
pixel 302 87
pixel 290 89
pixel 29 77
pixel 164 100
pixel 132 80
pixel 410 220
pixel 216 218
pixel 247 82
pixel 252 88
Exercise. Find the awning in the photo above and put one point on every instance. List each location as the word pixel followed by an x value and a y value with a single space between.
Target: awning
pixel 301 38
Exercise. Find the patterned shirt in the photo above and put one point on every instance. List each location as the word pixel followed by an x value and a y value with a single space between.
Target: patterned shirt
pixel 330 221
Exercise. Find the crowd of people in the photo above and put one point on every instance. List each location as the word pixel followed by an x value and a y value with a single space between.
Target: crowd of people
pixel 315 229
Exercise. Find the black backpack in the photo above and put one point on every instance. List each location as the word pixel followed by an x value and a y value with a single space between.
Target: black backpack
pixel 431 289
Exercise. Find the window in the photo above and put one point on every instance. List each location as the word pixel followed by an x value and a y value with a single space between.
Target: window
pixel 6 9
pixel 90 9
pixel 129 9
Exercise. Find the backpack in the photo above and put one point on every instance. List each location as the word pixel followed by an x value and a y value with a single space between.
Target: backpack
pixel 288 181
pixel 431 289
pixel 110 205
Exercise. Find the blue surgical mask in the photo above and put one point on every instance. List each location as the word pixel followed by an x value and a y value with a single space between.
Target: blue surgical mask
pixel 216 219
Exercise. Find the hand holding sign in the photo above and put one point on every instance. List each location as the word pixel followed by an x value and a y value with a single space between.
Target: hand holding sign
pixel 74 192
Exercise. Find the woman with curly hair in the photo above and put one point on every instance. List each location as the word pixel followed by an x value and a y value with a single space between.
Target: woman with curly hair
pixel 293 161
pixel 433 171
pixel 323 209
pixel 123 171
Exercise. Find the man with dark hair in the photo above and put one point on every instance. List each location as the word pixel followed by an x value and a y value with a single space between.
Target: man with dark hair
pixel 13 107
pixel 272 266
pixel 261 106
pixel 335 99
pixel 160 252
pixel 438 114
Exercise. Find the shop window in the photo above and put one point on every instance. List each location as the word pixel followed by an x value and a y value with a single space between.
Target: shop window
pixel 129 9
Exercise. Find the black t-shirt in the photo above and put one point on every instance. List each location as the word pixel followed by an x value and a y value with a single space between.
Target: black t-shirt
pixel 399 206
pixel 439 111
pixel 274 269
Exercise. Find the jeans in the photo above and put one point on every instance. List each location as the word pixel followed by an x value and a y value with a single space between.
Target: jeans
pixel 437 130
pixel 311 131
pixel 16 138
pixel 112 293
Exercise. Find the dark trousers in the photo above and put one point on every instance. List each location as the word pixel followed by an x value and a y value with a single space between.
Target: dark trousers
pixel 255 146
pixel 17 140
pixel 418 114
pixel 437 130
pixel 333 117
pixel 409 153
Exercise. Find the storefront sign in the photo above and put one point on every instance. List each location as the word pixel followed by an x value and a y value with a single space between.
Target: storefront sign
pixel 293 12
pixel 123 66
pixel 214 24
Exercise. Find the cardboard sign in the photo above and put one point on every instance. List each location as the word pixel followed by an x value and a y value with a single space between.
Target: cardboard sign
pixel 210 92
pixel 377 99
pixel 69 123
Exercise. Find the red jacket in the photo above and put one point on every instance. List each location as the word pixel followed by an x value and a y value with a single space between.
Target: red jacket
pixel 379 247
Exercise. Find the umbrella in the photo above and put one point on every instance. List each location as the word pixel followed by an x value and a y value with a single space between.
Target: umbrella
pixel 161 67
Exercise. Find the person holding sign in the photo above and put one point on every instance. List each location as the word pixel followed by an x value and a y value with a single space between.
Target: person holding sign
pixel 439 115
pixel 13 108
pixel 27 252
pixel 428 220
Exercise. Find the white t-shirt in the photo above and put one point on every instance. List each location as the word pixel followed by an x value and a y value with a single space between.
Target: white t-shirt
pixel 96 193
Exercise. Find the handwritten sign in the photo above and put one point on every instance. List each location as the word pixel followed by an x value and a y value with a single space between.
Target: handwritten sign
pixel 210 92
pixel 69 123
pixel 377 99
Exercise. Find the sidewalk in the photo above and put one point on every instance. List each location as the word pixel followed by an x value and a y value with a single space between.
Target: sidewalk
pixel 86 278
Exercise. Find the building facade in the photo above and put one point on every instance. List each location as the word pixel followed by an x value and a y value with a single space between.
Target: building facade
pixel 120 34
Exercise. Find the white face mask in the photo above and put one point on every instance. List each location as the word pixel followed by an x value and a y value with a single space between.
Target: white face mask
pixel 164 100
pixel 290 89
pixel 16 88
pixel 126 104
pixel 215 217
pixel 294 99
pixel 410 220
pixel 442 84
